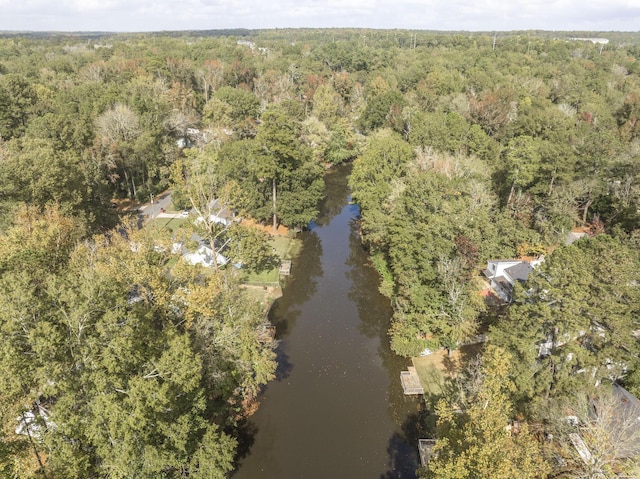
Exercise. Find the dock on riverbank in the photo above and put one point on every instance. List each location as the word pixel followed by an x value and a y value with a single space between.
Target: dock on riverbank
pixel 425 448
pixel 411 382
pixel 285 268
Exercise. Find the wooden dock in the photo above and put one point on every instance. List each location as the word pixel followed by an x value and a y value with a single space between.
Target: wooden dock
pixel 411 382
pixel 266 333
pixel 285 268
pixel 425 448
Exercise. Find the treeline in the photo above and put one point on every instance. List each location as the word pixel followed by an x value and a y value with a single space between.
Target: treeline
pixel 112 364
pixel 466 147
pixel 118 358
pixel 490 152
pixel 483 150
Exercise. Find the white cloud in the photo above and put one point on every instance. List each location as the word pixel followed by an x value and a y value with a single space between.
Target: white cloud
pixel 488 15
pixel 91 5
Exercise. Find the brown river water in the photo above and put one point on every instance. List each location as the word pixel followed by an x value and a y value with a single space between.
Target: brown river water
pixel 336 409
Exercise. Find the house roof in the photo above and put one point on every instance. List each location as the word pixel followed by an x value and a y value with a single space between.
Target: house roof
pixel 219 209
pixel 497 261
pixel 574 236
pixel 503 285
pixel 628 419
pixel 627 400
pixel 520 271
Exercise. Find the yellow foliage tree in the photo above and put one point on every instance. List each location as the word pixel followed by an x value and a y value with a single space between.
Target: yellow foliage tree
pixel 481 442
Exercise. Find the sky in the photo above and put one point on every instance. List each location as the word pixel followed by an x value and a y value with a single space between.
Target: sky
pixel 470 15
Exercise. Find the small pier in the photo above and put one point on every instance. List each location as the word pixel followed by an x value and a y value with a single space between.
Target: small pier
pixel 285 268
pixel 425 448
pixel 266 333
pixel 411 381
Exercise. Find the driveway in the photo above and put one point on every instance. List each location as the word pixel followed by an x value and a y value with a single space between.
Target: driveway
pixel 149 211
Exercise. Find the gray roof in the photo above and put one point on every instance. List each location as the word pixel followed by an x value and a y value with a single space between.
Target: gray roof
pixel 628 419
pixel 574 236
pixel 627 400
pixel 520 271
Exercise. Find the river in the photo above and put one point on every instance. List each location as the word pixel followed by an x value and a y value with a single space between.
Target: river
pixel 336 409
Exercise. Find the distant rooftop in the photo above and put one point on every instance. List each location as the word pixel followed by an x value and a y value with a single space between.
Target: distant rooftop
pixel 574 236
pixel 595 41
pixel 520 271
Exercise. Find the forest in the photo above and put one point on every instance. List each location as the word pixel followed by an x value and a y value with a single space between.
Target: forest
pixel 118 361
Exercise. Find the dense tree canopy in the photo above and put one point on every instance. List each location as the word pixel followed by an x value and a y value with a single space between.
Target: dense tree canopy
pixel 465 148
pixel 480 441
pixel 114 367
pixel 574 327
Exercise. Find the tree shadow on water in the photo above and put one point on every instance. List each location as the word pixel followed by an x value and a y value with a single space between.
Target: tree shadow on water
pixel 404 459
pixel 302 284
pixel 245 432
pixel 284 364
pixel 283 317
pixel 336 189
pixel 373 308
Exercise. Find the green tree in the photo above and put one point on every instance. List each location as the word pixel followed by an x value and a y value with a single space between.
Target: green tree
pixel 286 163
pixel 605 422
pixel 17 98
pixel 118 127
pixel 200 184
pixel 493 110
pixel 344 145
pixel 238 163
pixel 34 172
pixel 376 173
pixel 435 301
pixel 573 326
pixel 383 110
pixel 327 104
pixel 522 161
pixel 233 108
pixel 122 366
pixel 478 443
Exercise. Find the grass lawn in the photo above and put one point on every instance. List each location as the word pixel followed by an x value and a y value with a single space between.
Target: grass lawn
pixel 170 224
pixel 264 287
pixel 263 295
pixel 264 277
pixel 286 248
pixel 430 372
pixel 435 369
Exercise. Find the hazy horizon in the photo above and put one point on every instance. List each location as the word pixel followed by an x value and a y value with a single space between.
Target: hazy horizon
pixel 120 16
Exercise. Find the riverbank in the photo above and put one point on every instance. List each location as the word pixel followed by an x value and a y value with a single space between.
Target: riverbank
pixel 335 408
pixel 266 287
pixel 436 368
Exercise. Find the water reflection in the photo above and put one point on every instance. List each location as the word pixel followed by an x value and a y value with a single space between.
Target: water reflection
pixel 374 312
pixel 372 306
pixel 335 194
pixel 301 285
pixel 337 409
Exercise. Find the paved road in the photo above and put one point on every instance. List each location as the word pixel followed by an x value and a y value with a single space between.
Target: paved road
pixel 153 210
pixel 170 215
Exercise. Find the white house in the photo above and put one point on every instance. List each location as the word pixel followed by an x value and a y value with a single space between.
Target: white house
pixel 184 142
pixel 191 137
pixel 204 256
pixel 503 274
pixel 594 40
pixel 30 422
pixel 574 236
pixel 219 214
